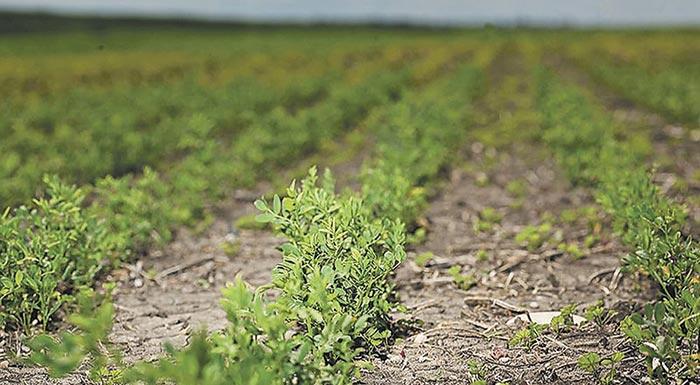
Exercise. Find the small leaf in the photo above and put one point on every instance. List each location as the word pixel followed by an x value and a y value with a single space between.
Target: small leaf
pixel 288 204
pixel 18 277
pixel 264 218
pixel 659 311
pixel 637 318
pixel 589 362
pixel 361 324
pixel 260 205
pixel 276 204
pixel 617 357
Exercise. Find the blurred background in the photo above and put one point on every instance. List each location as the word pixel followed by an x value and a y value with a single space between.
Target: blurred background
pixel 437 12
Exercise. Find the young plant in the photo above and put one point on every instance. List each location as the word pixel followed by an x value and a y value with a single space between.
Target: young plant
pixel 526 337
pixel 565 320
pixel 337 258
pixel 93 322
pixel 488 217
pixel 534 236
pixel 604 369
pixel 599 315
pixel 463 281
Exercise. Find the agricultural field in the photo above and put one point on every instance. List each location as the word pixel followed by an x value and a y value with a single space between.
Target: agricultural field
pixel 349 205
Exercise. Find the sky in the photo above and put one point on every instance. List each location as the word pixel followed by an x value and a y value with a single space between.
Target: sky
pixel 571 12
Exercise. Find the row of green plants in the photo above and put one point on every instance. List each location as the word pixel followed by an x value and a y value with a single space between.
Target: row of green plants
pixel 593 151
pixel 60 243
pixel 335 299
pixel 674 90
pixel 655 71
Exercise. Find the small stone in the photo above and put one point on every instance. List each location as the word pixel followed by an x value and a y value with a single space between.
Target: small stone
pixel 534 305
pixel 4 364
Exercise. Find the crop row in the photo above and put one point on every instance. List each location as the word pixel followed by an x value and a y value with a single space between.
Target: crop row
pixel 659 73
pixel 334 296
pixel 673 91
pixel 593 151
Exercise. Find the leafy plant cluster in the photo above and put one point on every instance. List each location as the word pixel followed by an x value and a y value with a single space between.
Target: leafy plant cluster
pixel 338 257
pixel 43 247
pixel 658 71
pixel 584 141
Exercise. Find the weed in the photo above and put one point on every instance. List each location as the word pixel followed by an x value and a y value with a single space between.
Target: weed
pixel 423 258
pixel 565 320
pixel 231 248
pixel 463 281
pixel 599 315
pixel 526 337
pixel 593 363
pixel 488 217
pixel 534 236
pixel 482 255
pixel 517 188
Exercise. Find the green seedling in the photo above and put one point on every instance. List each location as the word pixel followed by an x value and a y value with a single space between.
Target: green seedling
pixel 463 281
pixel 599 315
pixel 604 369
pixel 526 337
pixel 571 249
pixel 231 248
pixel 423 258
pixel 517 188
pixel 565 320
pixel 482 255
pixel 488 218
pixel 534 236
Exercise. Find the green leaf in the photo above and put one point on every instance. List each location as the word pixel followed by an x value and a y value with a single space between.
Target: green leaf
pixel 260 204
pixel 266 217
pixel 18 277
pixel 589 362
pixel 276 204
pixel 637 318
pixel 659 311
pixel 288 204
pixel 617 357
